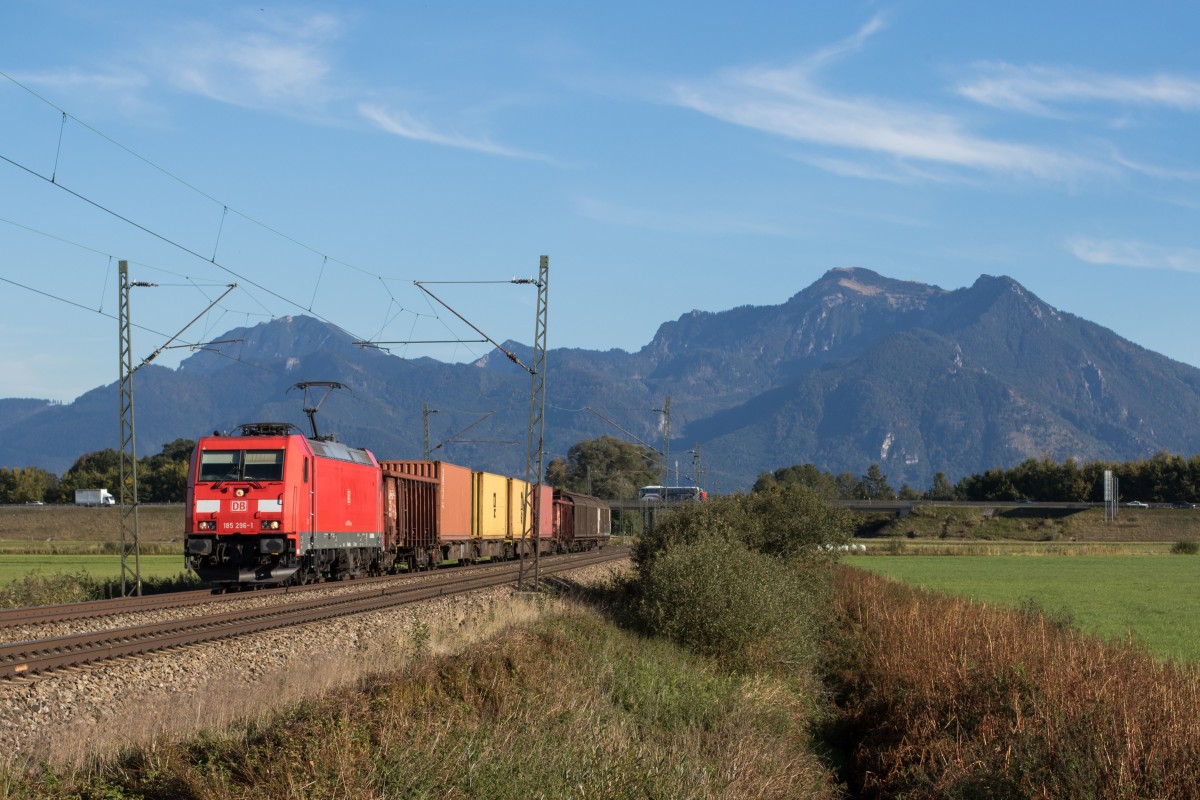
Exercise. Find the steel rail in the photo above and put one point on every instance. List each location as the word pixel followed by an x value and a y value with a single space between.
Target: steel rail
pixel 35 657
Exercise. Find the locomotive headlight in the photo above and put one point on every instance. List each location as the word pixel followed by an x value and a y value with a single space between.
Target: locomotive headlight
pixel 270 525
pixel 206 525
pixel 240 492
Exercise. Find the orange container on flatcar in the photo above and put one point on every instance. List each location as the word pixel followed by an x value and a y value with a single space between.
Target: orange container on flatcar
pixel 546 513
pixel 427 511
pixel 521 511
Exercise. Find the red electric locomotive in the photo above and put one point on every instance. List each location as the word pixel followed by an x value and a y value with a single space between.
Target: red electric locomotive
pixel 272 506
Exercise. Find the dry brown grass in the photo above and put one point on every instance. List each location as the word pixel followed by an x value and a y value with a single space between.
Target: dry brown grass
pixel 943 697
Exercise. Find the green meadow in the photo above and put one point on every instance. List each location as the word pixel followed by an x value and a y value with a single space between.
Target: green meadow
pixel 1154 598
pixel 100 567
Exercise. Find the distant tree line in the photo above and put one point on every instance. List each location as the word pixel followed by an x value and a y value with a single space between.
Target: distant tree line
pixel 162 478
pixel 1162 478
pixel 613 469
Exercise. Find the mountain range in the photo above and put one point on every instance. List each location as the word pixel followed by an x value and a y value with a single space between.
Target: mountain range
pixel 856 369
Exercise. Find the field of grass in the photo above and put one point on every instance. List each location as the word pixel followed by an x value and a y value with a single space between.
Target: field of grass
pixel 100 567
pixel 66 539
pixel 1156 597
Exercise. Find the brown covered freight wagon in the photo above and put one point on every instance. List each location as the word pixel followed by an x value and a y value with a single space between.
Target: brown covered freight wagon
pixel 427 512
pixel 581 522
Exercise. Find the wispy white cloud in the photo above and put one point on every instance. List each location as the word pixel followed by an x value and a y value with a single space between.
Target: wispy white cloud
pixel 1036 89
pixel 789 102
pixel 404 124
pixel 1155 171
pixel 849 45
pixel 1131 253
pixel 286 63
pixel 279 63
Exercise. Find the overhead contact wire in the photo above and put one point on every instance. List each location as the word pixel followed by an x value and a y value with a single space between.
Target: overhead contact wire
pixel 226 209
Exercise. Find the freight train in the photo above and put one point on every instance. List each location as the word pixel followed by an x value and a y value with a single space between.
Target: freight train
pixel 271 506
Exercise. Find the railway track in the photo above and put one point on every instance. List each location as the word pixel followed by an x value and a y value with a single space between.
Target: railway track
pixel 89 609
pixel 39 656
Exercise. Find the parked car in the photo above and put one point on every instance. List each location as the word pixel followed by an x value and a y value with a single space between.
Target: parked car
pixel 1137 504
pixel 1182 504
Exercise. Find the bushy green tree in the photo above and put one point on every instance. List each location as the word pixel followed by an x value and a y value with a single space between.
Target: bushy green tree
pixel 100 469
pixel 790 523
pixel 847 485
pixel 27 485
pixel 941 488
pixel 808 475
pixel 162 478
pixel 993 484
pixel 874 485
pixel 606 467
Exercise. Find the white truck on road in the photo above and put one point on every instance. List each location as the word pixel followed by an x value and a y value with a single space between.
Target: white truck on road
pixel 94 497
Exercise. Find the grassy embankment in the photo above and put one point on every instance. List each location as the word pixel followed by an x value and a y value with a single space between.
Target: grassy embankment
pixel 694 677
pixel 569 706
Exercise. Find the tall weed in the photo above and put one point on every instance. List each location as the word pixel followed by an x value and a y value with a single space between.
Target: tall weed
pixel 943 697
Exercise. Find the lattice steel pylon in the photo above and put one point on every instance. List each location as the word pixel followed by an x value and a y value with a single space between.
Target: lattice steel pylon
pixel 131 575
pixel 666 465
pixel 535 452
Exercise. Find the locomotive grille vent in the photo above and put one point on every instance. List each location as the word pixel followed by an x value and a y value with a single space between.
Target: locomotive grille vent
pixel 267 428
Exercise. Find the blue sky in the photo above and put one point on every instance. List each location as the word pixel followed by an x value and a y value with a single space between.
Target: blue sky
pixel 666 157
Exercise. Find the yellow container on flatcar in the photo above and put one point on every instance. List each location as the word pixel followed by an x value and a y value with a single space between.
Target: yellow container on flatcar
pixel 489 506
pixel 519 518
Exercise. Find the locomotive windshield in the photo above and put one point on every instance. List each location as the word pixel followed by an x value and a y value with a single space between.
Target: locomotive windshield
pixel 241 465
